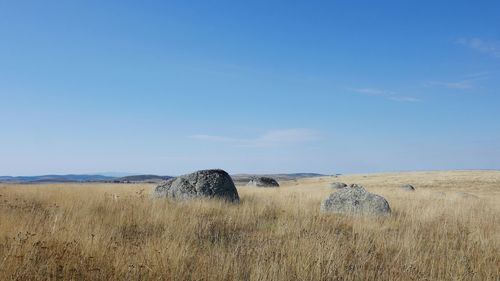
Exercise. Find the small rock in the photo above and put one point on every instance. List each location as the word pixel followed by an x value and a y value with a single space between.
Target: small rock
pixel 338 185
pixel 408 187
pixel 263 182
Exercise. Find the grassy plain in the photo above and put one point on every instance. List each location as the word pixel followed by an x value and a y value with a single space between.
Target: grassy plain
pixel 117 232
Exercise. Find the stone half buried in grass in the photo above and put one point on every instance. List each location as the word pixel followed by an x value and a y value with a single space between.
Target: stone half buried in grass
pixel 408 187
pixel 355 200
pixel 200 184
pixel 263 182
pixel 338 185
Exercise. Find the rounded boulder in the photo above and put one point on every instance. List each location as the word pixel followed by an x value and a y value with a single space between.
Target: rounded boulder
pixel 355 200
pixel 200 184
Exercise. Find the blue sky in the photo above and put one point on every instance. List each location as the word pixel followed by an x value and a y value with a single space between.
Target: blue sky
pixel 168 87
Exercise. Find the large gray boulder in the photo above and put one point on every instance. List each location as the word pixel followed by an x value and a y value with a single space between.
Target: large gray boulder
pixel 204 183
pixel 263 182
pixel 338 185
pixel 408 187
pixel 355 200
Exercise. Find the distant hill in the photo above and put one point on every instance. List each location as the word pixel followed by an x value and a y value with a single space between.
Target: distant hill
pixel 56 178
pixel 142 178
pixel 301 175
pixel 240 179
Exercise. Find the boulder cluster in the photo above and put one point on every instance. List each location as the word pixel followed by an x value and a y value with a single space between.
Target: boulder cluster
pixel 351 200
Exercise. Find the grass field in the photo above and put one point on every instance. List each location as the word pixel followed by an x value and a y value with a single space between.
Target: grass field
pixel 117 232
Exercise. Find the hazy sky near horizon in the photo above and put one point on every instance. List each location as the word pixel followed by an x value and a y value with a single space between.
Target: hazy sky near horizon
pixel 168 87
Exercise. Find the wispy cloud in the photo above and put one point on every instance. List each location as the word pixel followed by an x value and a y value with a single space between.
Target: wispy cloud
pixel 460 85
pixel 466 82
pixel 268 139
pixel 404 99
pixel 490 47
pixel 393 96
pixel 373 92
pixel 213 138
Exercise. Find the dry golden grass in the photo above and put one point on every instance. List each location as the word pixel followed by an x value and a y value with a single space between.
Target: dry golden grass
pixel 116 232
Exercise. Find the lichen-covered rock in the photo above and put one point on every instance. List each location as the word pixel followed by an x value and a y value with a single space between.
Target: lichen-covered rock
pixel 355 200
pixel 408 187
pixel 204 183
pixel 338 185
pixel 263 182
